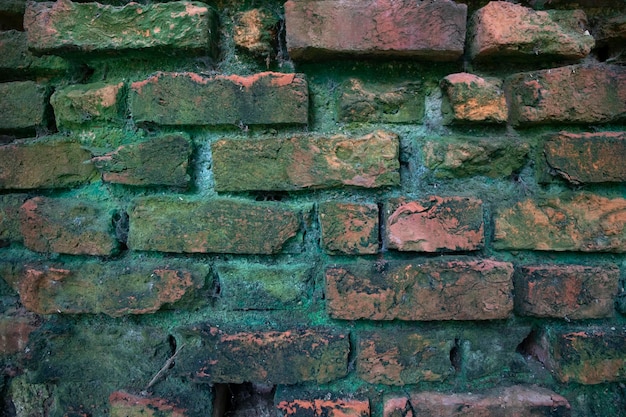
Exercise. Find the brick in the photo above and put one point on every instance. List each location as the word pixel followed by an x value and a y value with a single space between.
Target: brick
pixel 435 224
pixel 458 157
pixel 114 288
pixel 469 98
pixel 15 330
pixel 64 27
pixel 429 30
pixel 266 356
pixel 17 60
pixel 404 357
pixel 349 228
pixel 67 225
pixel 48 163
pixel 507 30
pixel 124 404
pixel 430 290
pixel 97 103
pixel 381 103
pixel 516 400
pixel 256 31
pixel 262 287
pixel 566 291
pixel 302 162
pixel 186 98
pixel 590 355
pixel 584 222
pixel 587 157
pixel 163 160
pixel 611 30
pixel 572 94
pixel 223 226
pixel 10 218
pixel 322 407
pixel 23 106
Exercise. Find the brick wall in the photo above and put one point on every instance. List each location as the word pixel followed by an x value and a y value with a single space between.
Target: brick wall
pixel 313 208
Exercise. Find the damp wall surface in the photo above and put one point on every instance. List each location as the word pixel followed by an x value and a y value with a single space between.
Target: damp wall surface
pixel 312 208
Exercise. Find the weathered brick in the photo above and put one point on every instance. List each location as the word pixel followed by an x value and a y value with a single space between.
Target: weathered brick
pixel 469 98
pixel 584 222
pixel 113 288
pixel 429 290
pixel 349 228
pixel 572 94
pixel 184 98
pixel 256 31
pixel 170 224
pixel 64 27
pixel 587 157
pixel 124 404
pixel 507 30
pixel 266 356
pixel 303 162
pixel 10 218
pixel 96 103
pixel 435 224
pixel 162 160
pixel 404 357
pixel 260 287
pixel 322 407
pixel 430 30
pixel 67 225
pixel 17 60
pixel 611 30
pixel 517 400
pixel 51 163
pixel 454 157
pixel 14 332
pixel 381 103
pixel 23 106
pixel 566 291
pixel 590 355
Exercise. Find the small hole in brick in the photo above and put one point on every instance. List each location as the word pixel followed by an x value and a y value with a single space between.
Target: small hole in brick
pixel 120 223
pixel 243 400
pixel 270 196
pixel 602 53
pixel 533 347
pixel 455 355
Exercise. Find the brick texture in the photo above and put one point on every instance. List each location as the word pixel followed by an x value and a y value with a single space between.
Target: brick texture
pixel 124 404
pixel 320 407
pixel 23 106
pixel 89 103
pixel 469 98
pixel 349 228
pixel 17 60
pixel 10 218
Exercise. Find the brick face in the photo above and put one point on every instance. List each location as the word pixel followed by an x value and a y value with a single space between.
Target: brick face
pixel 88 103
pixel 23 106
pixel 349 228
pixel 320 407
pixel 473 99
pixel 18 60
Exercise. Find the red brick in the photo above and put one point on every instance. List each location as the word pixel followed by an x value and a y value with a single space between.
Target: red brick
pixel 113 288
pixel 430 290
pixel 303 162
pixel 403 357
pixel 587 157
pixel 124 404
pixel 266 356
pixel 590 355
pixel 55 163
pixel 67 225
pixel 10 218
pixel 435 224
pixel 98 103
pixel 584 222
pixel 320 407
pixel 14 332
pixel 185 98
pixel 23 106
pixel 349 228
pixel 566 291
pixel 593 93
pixel 507 30
pixel 430 30
pixel 171 224
pixel 469 98
pixel 517 400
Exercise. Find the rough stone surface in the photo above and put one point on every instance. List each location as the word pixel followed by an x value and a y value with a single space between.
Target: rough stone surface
pixel 256 31
pixel 10 218
pixel 503 29
pixel 163 160
pixel 66 225
pixel 584 222
pixel 14 332
pixel 266 356
pixel 431 30
pixel 381 103
pixel 435 224
pixel 581 158
pixel 570 291
pixel 303 162
pixel 321 407
pixel 593 93
pixel 611 30
pixel 23 106
pixel 64 27
pixel 430 290
pixel 517 400
pixel 349 228
pixel 96 103
pixel 54 163
pixel 222 226
pixel 124 404
pixel 184 98
pixel 404 357
pixel 17 60
pixel 457 157
pixel 469 98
